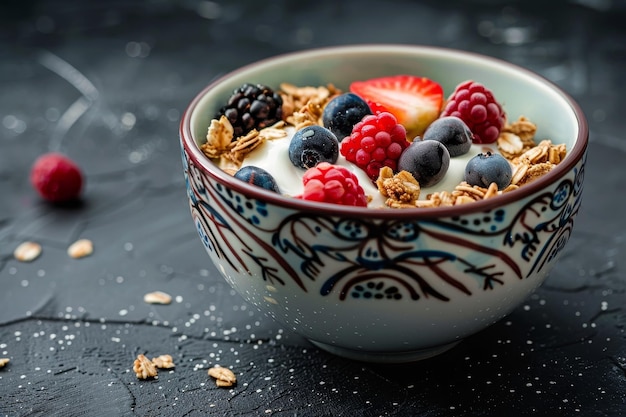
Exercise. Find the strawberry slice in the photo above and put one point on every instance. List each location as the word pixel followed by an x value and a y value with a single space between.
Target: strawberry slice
pixel 415 101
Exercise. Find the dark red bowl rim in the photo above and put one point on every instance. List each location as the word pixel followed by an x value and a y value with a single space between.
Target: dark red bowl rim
pixel 210 169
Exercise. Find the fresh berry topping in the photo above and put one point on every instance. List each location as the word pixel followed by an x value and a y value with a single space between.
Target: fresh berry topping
pixel 343 112
pixel 452 132
pixel 376 141
pixel 56 177
pixel 485 168
pixel 329 183
pixel 311 145
pixel 427 160
pixel 257 176
pixel 415 101
pixel 475 104
pixel 252 106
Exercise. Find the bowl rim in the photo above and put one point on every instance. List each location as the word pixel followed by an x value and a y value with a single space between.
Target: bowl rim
pixel 199 159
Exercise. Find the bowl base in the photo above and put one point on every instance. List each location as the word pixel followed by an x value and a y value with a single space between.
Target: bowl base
pixel 385 357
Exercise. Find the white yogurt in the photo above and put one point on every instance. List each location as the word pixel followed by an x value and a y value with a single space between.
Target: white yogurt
pixel 273 156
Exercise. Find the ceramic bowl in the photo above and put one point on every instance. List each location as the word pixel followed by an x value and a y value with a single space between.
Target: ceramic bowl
pixel 387 285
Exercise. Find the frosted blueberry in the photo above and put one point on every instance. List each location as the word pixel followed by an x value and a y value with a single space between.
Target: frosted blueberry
pixel 485 168
pixel 257 176
pixel 343 112
pixel 452 132
pixel 427 160
pixel 312 145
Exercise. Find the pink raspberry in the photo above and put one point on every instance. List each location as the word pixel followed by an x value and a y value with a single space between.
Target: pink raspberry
pixel 329 183
pixel 56 177
pixel 376 141
pixel 475 104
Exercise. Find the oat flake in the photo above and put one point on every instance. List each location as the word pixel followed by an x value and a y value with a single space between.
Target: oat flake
pixel 27 251
pixel 157 297
pixel 80 248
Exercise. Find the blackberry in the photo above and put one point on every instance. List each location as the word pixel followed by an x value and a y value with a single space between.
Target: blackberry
pixel 252 106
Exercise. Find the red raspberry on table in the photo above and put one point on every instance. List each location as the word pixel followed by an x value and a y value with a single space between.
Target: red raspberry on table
pixel 475 104
pixel 56 178
pixel 329 183
pixel 376 141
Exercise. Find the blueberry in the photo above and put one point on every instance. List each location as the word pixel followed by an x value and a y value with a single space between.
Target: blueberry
pixel 312 145
pixel 452 132
pixel 427 160
pixel 257 176
pixel 343 112
pixel 485 168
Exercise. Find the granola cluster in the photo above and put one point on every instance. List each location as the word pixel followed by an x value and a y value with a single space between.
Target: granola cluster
pixel 224 377
pixel 462 194
pixel 230 153
pixel 402 189
pixel 303 106
pixel 145 368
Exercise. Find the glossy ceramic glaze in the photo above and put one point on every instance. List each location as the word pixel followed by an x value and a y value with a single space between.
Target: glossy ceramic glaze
pixel 387 285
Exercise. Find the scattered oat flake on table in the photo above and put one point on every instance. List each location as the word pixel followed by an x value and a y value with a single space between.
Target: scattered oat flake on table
pixel 80 248
pixel 144 368
pixel 3 362
pixel 157 297
pixel 27 251
pixel 224 377
pixel 163 362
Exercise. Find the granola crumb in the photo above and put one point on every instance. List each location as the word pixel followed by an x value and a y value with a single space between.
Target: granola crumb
pixel 224 377
pixel 27 251
pixel 535 171
pixel 524 129
pixel 80 248
pixel 144 368
pixel 510 145
pixel 4 362
pixel 492 191
pixel 163 362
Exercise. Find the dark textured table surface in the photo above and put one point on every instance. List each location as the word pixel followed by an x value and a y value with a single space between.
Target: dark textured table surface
pixel 106 83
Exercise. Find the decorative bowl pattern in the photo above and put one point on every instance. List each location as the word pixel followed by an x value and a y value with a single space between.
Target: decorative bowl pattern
pixel 385 285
